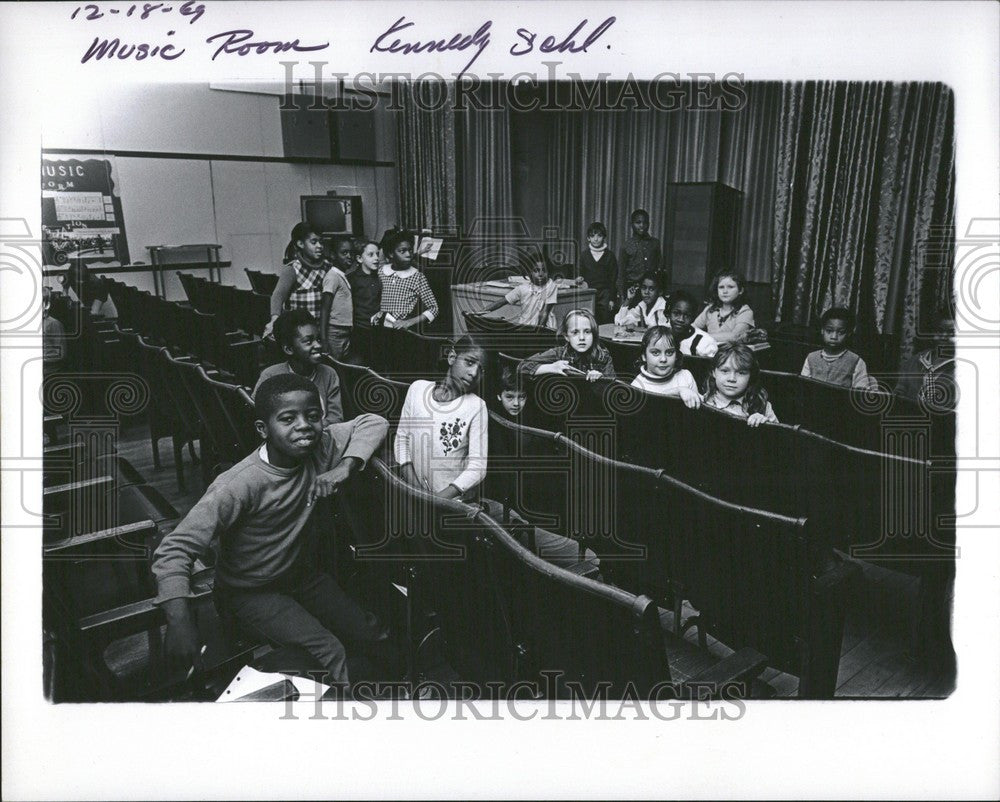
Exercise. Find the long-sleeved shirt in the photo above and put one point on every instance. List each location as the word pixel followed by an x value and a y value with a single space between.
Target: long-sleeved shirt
pixel 733 327
pixel 845 369
pixel 403 289
pixel 366 295
pixel 639 255
pixel 699 343
pixel 653 316
pixel 259 512
pixel 668 386
pixel 327 382
pixel 299 287
pixel 599 359
pixel 600 274
pixel 446 443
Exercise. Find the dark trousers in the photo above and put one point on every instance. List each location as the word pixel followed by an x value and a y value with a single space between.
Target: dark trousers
pixel 305 612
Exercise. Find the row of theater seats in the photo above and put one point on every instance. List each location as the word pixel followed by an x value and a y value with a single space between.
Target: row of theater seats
pixel 98 586
pixel 798 627
pixel 759 580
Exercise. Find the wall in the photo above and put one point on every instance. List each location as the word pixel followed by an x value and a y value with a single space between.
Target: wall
pixel 246 206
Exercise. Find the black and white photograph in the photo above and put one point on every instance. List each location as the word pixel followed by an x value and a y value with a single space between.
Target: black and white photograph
pixel 388 361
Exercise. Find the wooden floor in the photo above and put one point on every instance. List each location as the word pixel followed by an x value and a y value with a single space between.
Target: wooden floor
pixel 876 660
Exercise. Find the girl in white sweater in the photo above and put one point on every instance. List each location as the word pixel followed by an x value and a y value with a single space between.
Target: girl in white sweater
pixel 660 370
pixel 441 440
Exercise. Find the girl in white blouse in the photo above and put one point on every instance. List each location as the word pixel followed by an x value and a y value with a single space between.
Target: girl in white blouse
pixel 644 304
pixel 441 441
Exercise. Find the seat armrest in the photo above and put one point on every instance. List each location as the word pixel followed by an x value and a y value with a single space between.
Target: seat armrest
pixel 66 546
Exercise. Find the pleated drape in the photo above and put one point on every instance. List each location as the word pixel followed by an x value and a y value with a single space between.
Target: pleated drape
pixel 864 209
pixel 602 165
pixel 848 188
pixel 426 169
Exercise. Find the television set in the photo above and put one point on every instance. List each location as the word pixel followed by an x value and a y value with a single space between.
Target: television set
pixel 334 214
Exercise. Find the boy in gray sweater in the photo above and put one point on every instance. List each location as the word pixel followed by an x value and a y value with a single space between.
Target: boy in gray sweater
pixel 267 576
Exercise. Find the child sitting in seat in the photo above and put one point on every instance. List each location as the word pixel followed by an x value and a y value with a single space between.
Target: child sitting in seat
pixel 442 443
pixel 404 288
pixel 660 371
pixel 581 355
pixel 834 363
pixel 734 385
pixel 512 396
pixel 643 304
pixel 536 298
pixel 261 510
pixel 727 317
pixel 297 334
pixel 690 341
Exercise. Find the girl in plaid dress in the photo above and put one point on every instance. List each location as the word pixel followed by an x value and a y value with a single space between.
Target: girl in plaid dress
pixel 300 283
pixel 404 288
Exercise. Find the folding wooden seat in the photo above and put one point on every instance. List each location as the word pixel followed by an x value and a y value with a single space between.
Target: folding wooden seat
pixel 187 282
pixel 229 415
pixel 117 653
pixel 363 390
pixel 95 504
pixel 262 283
pixel 185 419
pixel 504 615
pixel 73 465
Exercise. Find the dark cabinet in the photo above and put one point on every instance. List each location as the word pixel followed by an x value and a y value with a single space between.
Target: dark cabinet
pixel 702 220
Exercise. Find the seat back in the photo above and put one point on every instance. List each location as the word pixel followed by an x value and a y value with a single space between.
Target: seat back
pixel 509 615
pixel 363 390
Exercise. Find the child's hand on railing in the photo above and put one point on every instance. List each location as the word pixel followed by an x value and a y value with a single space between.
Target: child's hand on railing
pixel 690 398
pixel 593 375
pixel 756 420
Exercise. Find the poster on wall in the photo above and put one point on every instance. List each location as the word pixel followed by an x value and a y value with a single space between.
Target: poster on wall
pixel 81 212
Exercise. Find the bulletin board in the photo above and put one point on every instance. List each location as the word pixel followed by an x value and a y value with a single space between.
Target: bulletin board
pixel 82 212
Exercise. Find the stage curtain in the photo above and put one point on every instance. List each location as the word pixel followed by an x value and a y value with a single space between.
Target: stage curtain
pixel 863 208
pixel 485 210
pixel 426 157
pixel 604 164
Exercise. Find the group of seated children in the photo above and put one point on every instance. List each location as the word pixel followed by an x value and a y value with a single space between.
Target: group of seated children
pixel 733 385
pixel 726 316
pixel 354 290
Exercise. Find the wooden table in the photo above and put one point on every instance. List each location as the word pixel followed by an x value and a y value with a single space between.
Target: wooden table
pixel 473 297
pixel 607 332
